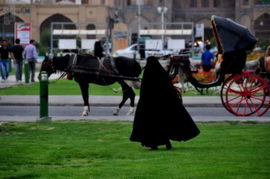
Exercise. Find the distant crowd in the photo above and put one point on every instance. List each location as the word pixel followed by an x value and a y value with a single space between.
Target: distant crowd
pixel 17 53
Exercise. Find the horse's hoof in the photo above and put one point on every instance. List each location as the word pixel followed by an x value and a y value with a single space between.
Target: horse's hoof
pixel 116 111
pixel 130 112
pixel 85 114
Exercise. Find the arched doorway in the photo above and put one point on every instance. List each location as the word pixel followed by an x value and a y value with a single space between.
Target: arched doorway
pixel 45 29
pixel 7 22
pixel 262 27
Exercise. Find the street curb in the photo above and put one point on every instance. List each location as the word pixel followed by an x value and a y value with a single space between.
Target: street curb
pixel 101 104
pixel 69 100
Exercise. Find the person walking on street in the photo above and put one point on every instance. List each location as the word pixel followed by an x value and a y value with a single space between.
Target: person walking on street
pixel 17 56
pixel 30 53
pixel 4 63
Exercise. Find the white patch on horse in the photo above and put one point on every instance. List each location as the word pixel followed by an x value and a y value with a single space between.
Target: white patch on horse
pixel 85 111
pixel 116 111
pixel 130 111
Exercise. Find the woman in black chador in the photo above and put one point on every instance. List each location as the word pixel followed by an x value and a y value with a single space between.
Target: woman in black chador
pixel 160 115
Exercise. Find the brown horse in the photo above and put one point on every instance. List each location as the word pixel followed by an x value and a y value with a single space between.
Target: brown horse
pixel 87 69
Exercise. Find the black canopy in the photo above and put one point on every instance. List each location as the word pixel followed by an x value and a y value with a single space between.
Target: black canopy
pixel 232 36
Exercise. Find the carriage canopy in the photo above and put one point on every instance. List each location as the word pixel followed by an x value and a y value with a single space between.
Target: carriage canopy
pixel 233 42
pixel 232 36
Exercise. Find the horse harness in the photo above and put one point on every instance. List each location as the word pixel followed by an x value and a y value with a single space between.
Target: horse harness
pixel 105 66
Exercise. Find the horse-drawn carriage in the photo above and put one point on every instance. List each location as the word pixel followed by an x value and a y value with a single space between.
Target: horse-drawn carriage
pixel 243 92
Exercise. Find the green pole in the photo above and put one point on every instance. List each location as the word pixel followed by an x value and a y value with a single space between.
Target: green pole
pixel 44 97
pixel 26 71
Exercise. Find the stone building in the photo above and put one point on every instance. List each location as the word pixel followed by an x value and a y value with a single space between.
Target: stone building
pixel 252 13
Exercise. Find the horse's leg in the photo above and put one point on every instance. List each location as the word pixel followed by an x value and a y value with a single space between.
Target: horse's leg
pixel 132 102
pixel 127 93
pixel 84 89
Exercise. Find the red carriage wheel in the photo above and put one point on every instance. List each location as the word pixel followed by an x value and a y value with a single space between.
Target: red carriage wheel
pixel 245 94
pixel 223 92
pixel 266 105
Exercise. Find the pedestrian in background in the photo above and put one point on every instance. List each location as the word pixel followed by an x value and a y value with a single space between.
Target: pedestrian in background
pixel 4 63
pixel 207 58
pixel 30 53
pixel 17 56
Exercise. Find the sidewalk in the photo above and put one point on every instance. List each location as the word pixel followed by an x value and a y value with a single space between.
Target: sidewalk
pixel 76 100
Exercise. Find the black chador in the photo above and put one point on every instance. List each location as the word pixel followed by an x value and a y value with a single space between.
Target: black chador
pixel 160 115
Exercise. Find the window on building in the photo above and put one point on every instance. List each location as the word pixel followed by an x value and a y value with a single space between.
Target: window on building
pixel 245 2
pixel 131 2
pixel 84 1
pixel 147 2
pixel 63 1
pixel 205 3
pixel 143 2
pixel 193 3
pixel 262 2
pixel 217 3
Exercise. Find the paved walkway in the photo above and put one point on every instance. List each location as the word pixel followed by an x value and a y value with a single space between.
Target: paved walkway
pixel 76 100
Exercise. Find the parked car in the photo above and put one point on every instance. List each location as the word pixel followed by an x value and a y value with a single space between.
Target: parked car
pixel 129 51
pixel 133 49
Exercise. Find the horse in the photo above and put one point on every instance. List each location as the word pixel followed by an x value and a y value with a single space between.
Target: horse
pixel 87 69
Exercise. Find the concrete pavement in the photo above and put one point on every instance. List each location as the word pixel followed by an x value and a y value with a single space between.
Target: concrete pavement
pixel 112 101
pixel 63 100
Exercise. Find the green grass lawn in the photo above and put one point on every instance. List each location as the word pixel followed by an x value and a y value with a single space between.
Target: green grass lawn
pixel 100 149
pixel 62 87
pixel 70 87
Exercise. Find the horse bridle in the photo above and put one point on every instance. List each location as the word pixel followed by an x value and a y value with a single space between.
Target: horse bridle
pixel 50 63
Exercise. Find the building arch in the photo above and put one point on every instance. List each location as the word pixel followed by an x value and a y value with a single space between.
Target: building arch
pixel 259 13
pixel 208 34
pixel 46 24
pixel 133 27
pixel 206 21
pixel 262 27
pixel 7 29
pixel 45 28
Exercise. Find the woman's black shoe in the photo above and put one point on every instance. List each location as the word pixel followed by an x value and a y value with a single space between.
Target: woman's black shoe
pixel 168 146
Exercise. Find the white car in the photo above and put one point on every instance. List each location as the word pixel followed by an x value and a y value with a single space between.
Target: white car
pixel 129 51
pixel 158 53
pixel 133 49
